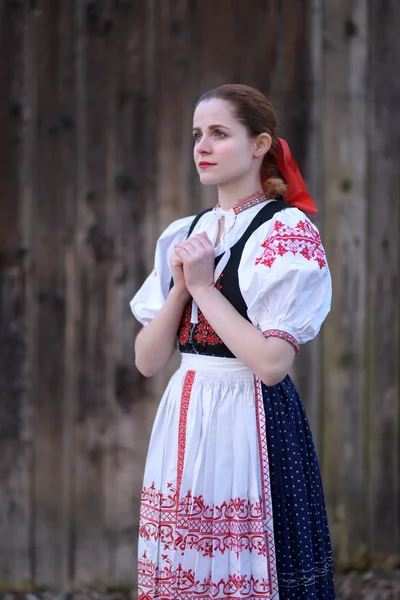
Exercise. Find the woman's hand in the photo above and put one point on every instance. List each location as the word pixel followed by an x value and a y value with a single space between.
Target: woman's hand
pixel 176 264
pixel 198 258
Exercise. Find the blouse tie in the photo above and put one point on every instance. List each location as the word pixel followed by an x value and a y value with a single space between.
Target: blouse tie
pixel 230 219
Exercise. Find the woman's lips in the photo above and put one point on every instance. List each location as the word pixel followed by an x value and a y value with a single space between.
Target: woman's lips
pixel 206 165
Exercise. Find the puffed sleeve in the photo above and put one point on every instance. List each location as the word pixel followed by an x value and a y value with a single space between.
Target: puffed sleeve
pixel 284 278
pixel 149 299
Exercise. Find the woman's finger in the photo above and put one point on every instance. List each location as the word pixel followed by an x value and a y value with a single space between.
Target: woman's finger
pixel 189 247
pixel 204 241
pixel 176 260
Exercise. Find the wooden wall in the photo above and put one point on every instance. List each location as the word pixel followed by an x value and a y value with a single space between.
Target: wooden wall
pixel 96 100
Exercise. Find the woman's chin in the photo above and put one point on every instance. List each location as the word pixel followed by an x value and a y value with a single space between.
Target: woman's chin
pixel 209 179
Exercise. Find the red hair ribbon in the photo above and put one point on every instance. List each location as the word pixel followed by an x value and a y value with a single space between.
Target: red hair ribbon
pixel 297 194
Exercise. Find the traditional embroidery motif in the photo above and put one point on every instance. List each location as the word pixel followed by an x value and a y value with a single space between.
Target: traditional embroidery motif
pixel 187 390
pixel 248 202
pixel 185 326
pixel 266 488
pixel 188 522
pixel 204 334
pixel 167 582
pixel 284 335
pixel 301 577
pixel 302 239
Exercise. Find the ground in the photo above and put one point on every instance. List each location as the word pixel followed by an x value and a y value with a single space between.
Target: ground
pixel 377 584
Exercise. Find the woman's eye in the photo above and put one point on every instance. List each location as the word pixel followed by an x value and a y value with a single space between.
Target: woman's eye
pixel 220 134
pixel 196 137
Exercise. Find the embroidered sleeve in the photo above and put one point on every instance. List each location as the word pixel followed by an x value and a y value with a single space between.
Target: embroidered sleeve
pixel 284 278
pixel 150 298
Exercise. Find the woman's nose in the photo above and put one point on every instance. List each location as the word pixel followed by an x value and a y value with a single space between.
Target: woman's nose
pixel 203 145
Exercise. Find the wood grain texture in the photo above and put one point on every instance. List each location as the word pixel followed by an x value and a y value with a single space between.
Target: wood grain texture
pixel 345 175
pixel 383 281
pixel 16 317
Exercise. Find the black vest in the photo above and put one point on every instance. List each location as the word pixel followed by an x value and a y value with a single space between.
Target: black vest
pixel 200 338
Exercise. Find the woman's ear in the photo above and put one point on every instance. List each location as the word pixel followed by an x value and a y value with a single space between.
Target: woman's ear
pixel 262 144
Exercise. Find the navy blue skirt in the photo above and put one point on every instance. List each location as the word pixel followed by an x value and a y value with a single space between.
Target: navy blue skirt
pixel 302 542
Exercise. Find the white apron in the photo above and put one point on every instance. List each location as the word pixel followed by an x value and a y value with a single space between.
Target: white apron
pixel 206 525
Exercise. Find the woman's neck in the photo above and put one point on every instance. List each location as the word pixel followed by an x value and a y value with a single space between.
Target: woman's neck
pixel 232 193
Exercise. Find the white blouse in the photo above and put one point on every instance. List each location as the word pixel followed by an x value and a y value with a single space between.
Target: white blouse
pixel 283 273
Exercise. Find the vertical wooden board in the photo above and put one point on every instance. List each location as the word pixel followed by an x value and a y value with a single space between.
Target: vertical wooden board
pixel 345 173
pixel 51 203
pixel 15 325
pixel 211 43
pixel 254 46
pixel 94 24
pixel 66 88
pixel 127 167
pixel 384 278
pixel 308 365
pixel 175 125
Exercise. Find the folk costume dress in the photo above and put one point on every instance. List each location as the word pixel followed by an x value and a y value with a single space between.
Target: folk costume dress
pixel 232 502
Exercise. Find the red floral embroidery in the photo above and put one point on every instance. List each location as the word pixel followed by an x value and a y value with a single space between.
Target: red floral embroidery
pixel 284 335
pixel 204 334
pixel 302 239
pixel 186 392
pixel 185 326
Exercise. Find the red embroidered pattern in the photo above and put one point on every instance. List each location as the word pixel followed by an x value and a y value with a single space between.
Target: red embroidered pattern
pixel 187 390
pixel 302 239
pixel 169 583
pixel 248 202
pixel 204 333
pixel 185 326
pixel 284 335
pixel 188 522
pixel 266 487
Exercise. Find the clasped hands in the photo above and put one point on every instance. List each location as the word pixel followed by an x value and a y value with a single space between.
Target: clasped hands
pixel 192 264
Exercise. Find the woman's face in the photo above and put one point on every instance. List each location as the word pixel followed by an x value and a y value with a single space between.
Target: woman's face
pixel 223 149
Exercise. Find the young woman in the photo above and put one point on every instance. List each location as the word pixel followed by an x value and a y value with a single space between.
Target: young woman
pixel 232 501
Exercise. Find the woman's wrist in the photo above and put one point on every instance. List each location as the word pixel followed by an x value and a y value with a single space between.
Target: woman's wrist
pixel 180 296
pixel 203 294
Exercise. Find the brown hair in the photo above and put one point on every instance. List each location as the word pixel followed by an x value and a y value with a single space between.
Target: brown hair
pixel 257 114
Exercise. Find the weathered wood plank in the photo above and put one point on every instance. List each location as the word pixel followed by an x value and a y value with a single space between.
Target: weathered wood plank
pixel 345 177
pixel 53 199
pixel 94 24
pixel 384 280
pixel 66 87
pixel 15 293
pixel 308 370
pixel 128 165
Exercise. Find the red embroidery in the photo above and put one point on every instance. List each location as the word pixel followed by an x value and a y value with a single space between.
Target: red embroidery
pixel 185 326
pixel 174 525
pixel 284 335
pixel 302 239
pixel 187 390
pixel 166 582
pixel 248 202
pixel 190 523
pixel 266 488
pixel 204 334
